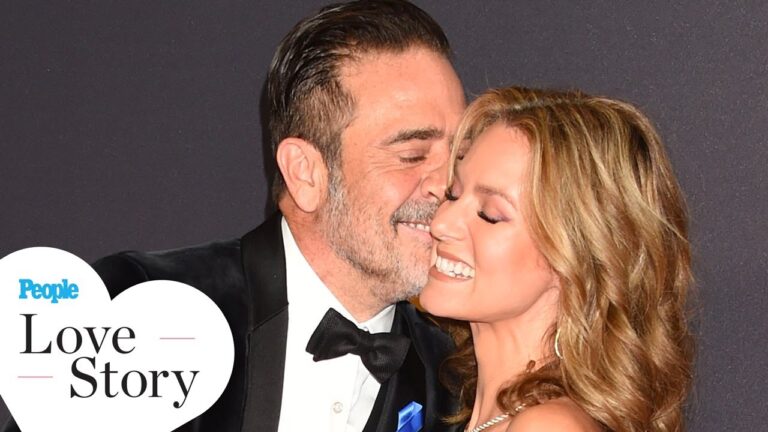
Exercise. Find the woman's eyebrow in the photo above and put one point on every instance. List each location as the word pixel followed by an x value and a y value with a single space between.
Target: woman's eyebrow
pixel 493 191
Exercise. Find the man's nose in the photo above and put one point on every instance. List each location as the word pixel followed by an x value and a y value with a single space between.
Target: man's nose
pixel 434 183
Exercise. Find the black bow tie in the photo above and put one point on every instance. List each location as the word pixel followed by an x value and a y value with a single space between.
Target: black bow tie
pixel 381 353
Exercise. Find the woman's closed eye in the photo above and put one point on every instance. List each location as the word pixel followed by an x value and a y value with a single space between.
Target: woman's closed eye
pixel 491 220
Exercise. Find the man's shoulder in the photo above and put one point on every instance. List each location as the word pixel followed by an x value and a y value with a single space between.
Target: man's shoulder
pixel 416 318
pixel 217 262
pixel 430 340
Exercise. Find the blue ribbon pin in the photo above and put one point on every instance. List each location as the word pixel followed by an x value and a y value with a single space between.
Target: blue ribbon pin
pixel 410 418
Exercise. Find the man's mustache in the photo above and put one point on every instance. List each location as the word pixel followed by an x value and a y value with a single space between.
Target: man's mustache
pixel 415 211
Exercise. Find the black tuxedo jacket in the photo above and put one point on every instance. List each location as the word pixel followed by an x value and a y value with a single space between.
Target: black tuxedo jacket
pixel 246 279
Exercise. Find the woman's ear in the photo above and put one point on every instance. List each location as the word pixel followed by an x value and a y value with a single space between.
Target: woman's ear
pixel 304 172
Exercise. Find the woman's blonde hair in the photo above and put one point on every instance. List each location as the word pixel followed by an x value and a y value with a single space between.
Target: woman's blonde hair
pixel 607 213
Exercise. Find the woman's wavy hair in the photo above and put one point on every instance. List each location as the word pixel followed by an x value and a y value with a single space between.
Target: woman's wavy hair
pixel 607 213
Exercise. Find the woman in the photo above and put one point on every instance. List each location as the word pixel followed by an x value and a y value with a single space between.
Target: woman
pixel 563 244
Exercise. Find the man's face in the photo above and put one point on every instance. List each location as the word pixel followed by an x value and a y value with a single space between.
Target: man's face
pixel 392 172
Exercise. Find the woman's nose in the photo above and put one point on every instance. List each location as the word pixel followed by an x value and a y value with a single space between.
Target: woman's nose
pixel 447 222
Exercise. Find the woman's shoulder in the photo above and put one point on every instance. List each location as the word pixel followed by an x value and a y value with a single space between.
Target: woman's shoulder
pixel 559 414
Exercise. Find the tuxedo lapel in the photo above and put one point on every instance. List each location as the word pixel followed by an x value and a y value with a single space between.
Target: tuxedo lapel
pixel 402 389
pixel 266 364
pixel 264 267
pixel 405 386
pixel 417 380
pixel 433 346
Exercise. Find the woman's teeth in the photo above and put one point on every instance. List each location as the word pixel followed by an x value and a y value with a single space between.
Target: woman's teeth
pixel 454 268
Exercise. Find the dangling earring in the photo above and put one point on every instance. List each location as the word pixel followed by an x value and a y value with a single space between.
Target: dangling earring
pixel 557 344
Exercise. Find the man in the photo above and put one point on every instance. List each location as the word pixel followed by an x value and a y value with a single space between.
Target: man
pixel 362 104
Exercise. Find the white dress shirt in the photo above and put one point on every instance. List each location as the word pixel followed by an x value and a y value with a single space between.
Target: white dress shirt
pixel 331 395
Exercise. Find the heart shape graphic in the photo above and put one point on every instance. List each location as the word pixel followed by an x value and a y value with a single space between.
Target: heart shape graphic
pixel 151 359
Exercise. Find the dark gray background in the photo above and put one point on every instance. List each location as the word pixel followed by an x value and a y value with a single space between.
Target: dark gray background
pixel 135 125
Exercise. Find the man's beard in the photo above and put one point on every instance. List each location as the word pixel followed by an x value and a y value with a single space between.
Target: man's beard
pixel 353 231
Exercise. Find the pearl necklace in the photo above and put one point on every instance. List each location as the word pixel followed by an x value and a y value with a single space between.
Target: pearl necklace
pixel 492 422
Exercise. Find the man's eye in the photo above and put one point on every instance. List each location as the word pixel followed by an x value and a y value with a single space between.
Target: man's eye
pixel 487 218
pixel 412 159
pixel 450 196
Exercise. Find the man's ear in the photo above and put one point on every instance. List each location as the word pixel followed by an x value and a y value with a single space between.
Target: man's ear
pixel 304 172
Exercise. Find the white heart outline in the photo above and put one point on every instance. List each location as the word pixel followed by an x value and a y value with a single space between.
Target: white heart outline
pixel 45 404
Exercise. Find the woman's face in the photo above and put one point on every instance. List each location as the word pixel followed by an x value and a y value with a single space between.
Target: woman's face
pixel 486 267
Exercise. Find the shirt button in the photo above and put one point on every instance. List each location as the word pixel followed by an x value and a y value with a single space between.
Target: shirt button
pixel 338 407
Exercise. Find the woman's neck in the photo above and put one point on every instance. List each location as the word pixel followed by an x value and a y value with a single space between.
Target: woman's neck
pixel 504 351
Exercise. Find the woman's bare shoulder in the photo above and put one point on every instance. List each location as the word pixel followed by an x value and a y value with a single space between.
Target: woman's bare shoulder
pixel 560 414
